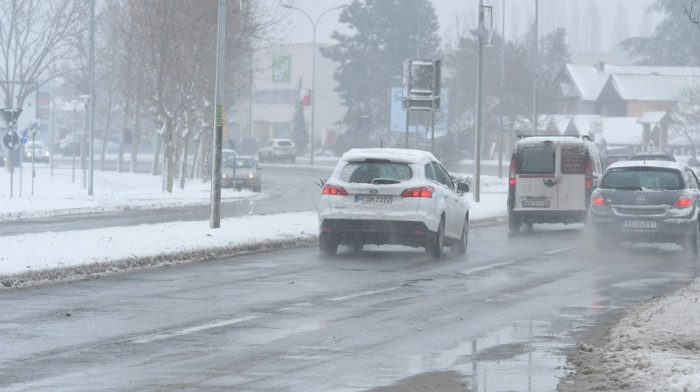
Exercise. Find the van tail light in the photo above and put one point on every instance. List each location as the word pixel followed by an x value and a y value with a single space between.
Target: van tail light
pixel 334 190
pixel 589 173
pixel 511 174
pixel 421 191
pixel 598 200
pixel 683 202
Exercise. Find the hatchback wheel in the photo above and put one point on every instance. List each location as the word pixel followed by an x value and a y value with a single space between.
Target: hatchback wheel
pixel 691 245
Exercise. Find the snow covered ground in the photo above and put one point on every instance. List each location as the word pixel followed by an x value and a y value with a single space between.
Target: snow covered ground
pixel 654 347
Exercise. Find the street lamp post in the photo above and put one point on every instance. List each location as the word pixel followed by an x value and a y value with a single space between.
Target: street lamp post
pixel 74 103
pixel 313 68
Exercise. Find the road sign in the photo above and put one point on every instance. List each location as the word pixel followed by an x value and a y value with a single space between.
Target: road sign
pixel 11 140
pixel 25 133
pixel 11 115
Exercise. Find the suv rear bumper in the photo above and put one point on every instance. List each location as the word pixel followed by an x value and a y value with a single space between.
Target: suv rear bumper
pixel 377 232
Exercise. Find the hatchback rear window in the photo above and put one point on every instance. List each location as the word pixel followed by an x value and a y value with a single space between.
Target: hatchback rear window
pixel 365 172
pixel 643 178
pixel 537 159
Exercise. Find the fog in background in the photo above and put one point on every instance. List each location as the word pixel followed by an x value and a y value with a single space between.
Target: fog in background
pixel 592 25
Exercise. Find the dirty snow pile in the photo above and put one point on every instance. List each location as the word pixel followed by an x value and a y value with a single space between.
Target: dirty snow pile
pixel 655 346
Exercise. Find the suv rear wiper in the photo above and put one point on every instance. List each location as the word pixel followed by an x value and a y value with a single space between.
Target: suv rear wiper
pixel 377 181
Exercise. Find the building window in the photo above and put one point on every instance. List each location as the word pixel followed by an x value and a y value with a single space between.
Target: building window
pixel 275 97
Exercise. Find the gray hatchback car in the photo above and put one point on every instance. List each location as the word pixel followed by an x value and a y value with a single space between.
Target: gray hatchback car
pixel 652 201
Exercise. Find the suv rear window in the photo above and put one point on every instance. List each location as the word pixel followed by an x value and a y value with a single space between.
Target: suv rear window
pixel 643 178
pixel 537 159
pixel 365 172
pixel 284 143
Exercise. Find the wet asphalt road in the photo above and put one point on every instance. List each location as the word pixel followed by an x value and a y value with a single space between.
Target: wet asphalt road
pixel 504 316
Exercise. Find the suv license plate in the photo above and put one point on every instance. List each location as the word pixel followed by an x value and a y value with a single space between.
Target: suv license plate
pixel 373 199
pixel 536 203
pixel 633 224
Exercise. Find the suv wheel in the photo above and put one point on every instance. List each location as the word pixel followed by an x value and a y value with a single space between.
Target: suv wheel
pixel 436 244
pixel 462 245
pixel 327 246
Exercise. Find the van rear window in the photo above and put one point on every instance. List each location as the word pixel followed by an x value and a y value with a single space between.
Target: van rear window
pixel 573 160
pixel 538 159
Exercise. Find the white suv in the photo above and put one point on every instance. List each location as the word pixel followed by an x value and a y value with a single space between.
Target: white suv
pixel 392 196
pixel 278 149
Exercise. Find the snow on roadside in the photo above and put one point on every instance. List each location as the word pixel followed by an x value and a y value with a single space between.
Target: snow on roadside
pixel 655 346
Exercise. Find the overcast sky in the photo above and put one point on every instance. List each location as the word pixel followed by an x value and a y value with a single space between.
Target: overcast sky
pixel 612 19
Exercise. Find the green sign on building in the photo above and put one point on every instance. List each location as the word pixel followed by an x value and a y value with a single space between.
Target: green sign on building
pixel 282 69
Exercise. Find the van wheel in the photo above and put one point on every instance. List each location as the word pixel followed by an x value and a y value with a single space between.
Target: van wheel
pixel 356 247
pixel 513 223
pixel 435 245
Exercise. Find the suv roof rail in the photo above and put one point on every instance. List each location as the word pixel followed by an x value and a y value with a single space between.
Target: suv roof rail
pixel 584 137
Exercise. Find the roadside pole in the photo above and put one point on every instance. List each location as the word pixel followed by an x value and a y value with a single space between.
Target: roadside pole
pixel 215 216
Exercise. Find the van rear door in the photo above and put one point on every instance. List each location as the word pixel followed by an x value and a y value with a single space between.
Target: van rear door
pixel 536 187
pixel 572 179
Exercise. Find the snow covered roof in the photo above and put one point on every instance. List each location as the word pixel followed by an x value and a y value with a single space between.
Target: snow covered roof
pixel 654 118
pixel 590 80
pixel 650 87
pixel 394 154
pixel 622 130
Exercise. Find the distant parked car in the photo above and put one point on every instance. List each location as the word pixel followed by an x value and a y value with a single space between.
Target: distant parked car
pixel 278 150
pixel 612 158
pixel 652 201
pixel 241 172
pixel 652 157
pixel 392 196
pixel 37 151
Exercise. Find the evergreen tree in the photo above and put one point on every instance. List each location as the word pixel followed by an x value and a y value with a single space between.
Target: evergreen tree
pixel 675 41
pixel 300 130
pixel 385 33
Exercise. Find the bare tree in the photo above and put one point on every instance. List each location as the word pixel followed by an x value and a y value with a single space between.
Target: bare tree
pixel 34 43
pixel 692 13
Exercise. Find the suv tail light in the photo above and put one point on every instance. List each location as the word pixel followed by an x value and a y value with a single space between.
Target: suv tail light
pixel 334 190
pixel 683 202
pixel 598 200
pixel 422 191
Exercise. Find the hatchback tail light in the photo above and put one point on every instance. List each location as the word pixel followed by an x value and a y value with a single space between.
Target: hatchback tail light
pixel 422 191
pixel 334 190
pixel 598 200
pixel 683 202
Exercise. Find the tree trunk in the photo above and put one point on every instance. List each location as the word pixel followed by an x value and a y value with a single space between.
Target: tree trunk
pixel 135 140
pixel 122 137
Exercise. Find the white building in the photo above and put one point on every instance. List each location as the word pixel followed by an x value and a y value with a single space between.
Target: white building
pixel 275 92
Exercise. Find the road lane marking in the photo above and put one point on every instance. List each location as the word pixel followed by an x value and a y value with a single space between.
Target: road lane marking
pixel 198 328
pixel 362 294
pixel 486 267
pixel 553 252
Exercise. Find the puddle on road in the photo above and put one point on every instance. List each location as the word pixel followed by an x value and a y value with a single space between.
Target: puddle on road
pixel 528 355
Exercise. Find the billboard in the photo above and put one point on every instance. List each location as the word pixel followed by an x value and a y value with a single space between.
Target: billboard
pixel 398 115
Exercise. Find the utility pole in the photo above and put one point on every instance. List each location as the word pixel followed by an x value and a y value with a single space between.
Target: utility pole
pixel 500 106
pixel 534 72
pixel 92 97
pixel 215 216
pixel 477 133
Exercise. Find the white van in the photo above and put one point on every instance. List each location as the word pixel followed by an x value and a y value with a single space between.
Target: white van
pixel 551 180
